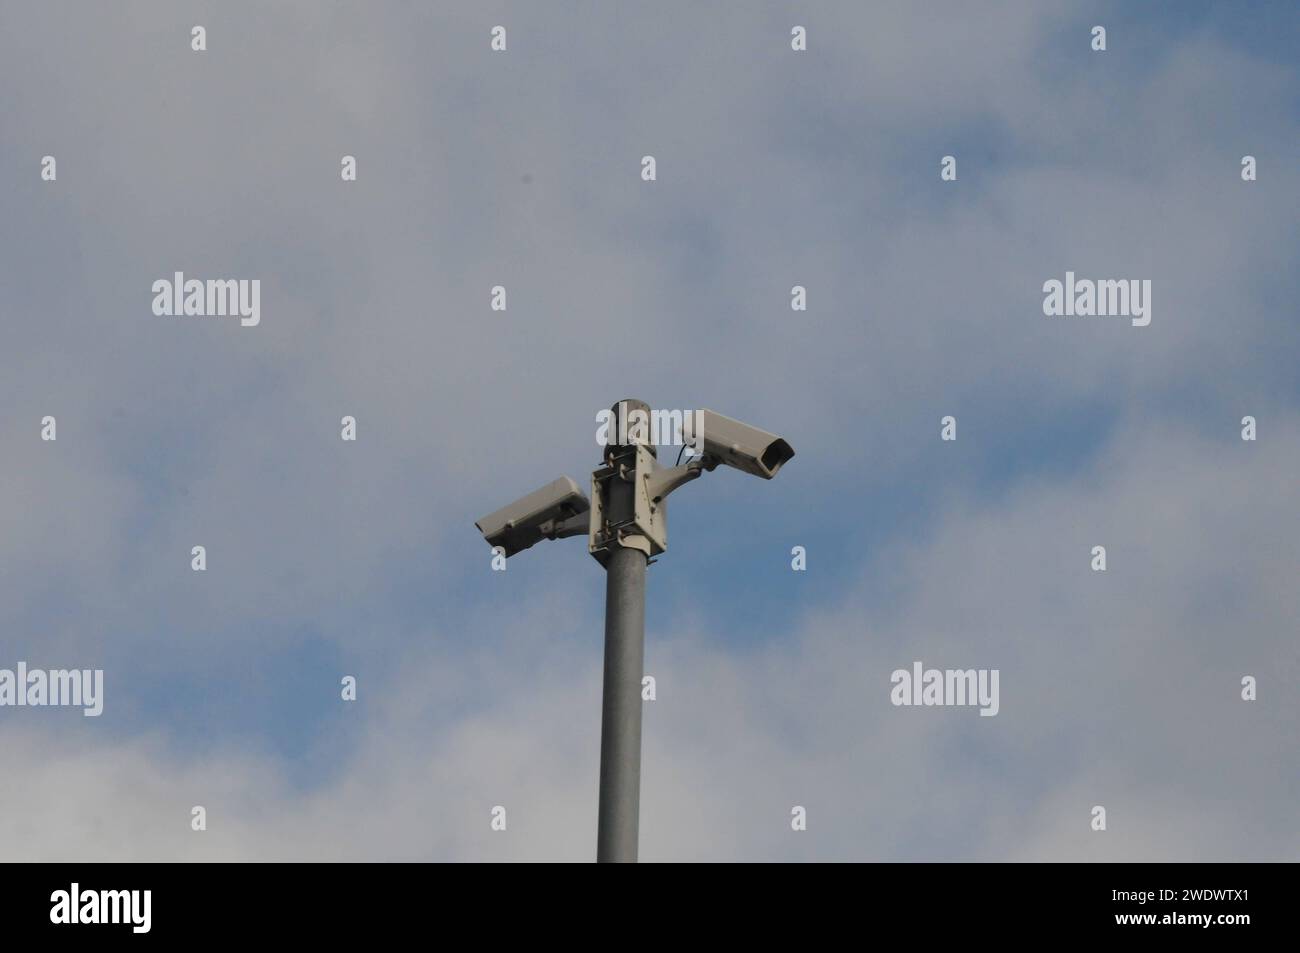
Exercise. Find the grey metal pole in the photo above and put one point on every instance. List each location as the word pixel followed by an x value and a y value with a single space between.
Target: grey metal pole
pixel 626 526
pixel 620 719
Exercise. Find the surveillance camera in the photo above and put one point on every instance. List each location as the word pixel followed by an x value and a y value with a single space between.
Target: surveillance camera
pixel 735 444
pixel 548 513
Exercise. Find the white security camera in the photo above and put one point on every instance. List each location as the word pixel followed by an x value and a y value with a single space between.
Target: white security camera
pixel 724 440
pixel 557 509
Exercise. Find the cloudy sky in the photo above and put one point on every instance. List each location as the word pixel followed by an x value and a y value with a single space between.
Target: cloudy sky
pixel 479 688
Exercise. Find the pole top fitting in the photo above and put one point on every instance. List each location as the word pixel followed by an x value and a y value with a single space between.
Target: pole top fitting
pixel 631 428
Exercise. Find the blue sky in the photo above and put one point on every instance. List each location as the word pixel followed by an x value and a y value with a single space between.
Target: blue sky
pixel 775 168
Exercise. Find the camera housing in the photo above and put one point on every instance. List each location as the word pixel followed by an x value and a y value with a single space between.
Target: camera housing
pixel 736 444
pixel 553 511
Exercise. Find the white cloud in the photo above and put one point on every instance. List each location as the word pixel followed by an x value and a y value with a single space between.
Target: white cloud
pixel 1119 689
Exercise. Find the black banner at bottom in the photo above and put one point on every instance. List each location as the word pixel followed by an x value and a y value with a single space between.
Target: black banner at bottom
pixel 320 902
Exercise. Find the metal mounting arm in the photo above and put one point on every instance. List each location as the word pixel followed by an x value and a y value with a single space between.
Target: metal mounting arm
pixel 576 525
pixel 662 482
